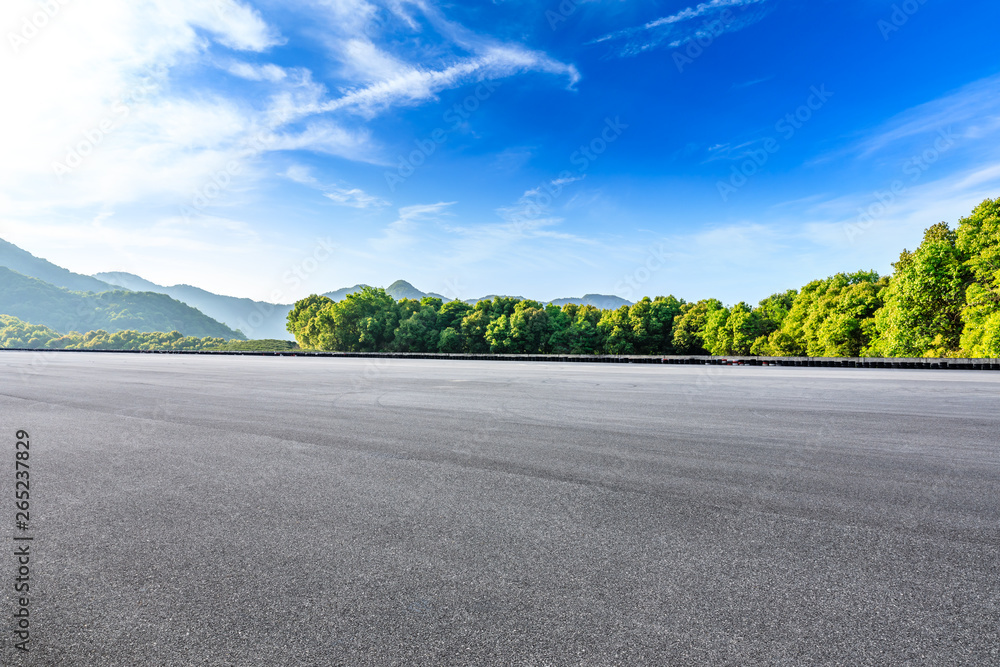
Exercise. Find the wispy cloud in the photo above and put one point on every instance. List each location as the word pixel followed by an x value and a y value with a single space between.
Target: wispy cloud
pixel 679 28
pixel 184 134
pixel 271 73
pixel 354 197
pixel 752 82
pixel 403 232
pixel 412 85
pixel 973 111
pixel 345 196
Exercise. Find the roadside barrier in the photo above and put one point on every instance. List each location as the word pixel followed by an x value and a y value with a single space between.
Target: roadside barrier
pixel 795 362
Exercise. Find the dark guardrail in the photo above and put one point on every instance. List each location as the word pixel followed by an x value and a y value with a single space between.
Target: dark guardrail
pixel 798 362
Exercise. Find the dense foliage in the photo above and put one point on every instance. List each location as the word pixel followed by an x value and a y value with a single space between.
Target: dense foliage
pixel 36 301
pixel 16 334
pixel 942 300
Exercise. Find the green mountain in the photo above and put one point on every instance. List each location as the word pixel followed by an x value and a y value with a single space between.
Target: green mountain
pixel 341 294
pixel 36 301
pixel 404 290
pixel 26 264
pixel 128 281
pixel 602 301
pixel 490 297
pixel 398 290
pixel 257 319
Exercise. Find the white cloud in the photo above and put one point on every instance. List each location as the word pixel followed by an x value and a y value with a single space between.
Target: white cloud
pixel 402 233
pixel 972 111
pixel 129 91
pixel 354 197
pixel 271 73
pixel 418 212
pixel 677 29
pixel 345 196
pixel 235 24
pixel 411 85
pixel 99 91
pixel 366 62
pixel 301 174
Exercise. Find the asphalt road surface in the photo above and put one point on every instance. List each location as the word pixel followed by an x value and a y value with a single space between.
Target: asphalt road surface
pixel 295 511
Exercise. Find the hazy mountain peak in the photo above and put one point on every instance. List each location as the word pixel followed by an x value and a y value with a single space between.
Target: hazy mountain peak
pixel 602 301
pixel 23 262
pixel 128 281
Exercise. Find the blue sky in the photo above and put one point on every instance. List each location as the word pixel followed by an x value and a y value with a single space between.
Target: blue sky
pixel 728 149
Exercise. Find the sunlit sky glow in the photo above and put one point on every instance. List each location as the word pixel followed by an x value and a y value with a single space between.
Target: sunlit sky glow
pixel 544 149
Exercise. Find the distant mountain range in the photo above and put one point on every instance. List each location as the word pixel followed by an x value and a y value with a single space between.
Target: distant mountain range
pixel 256 319
pixel 37 291
pixel 601 301
pixel 38 302
pixel 398 290
pixel 26 264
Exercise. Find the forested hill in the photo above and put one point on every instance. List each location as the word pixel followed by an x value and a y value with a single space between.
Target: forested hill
pixel 33 300
pixel 26 264
pixel 398 290
pixel 257 319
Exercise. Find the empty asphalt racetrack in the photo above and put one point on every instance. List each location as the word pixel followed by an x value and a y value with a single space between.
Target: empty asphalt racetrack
pixel 295 511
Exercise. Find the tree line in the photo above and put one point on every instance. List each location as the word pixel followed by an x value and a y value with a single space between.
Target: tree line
pixel 943 299
pixel 17 334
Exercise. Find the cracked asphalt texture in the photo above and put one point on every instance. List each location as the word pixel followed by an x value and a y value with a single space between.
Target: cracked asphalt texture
pixel 293 511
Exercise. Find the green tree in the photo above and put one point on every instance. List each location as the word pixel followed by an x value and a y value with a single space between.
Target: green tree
pixel 743 328
pixel 450 341
pixel 652 323
pixel 689 326
pixel 770 316
pixel 452 313
pixel 364 321
pixel 561 326
pixel 474 327
pixel 529 328
pixel 978 238
pixel 498 335
pixel 833 317
pixel 301 315
pixel 616 331
pixel 581 334
pixel 418 332
pixel 923 302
